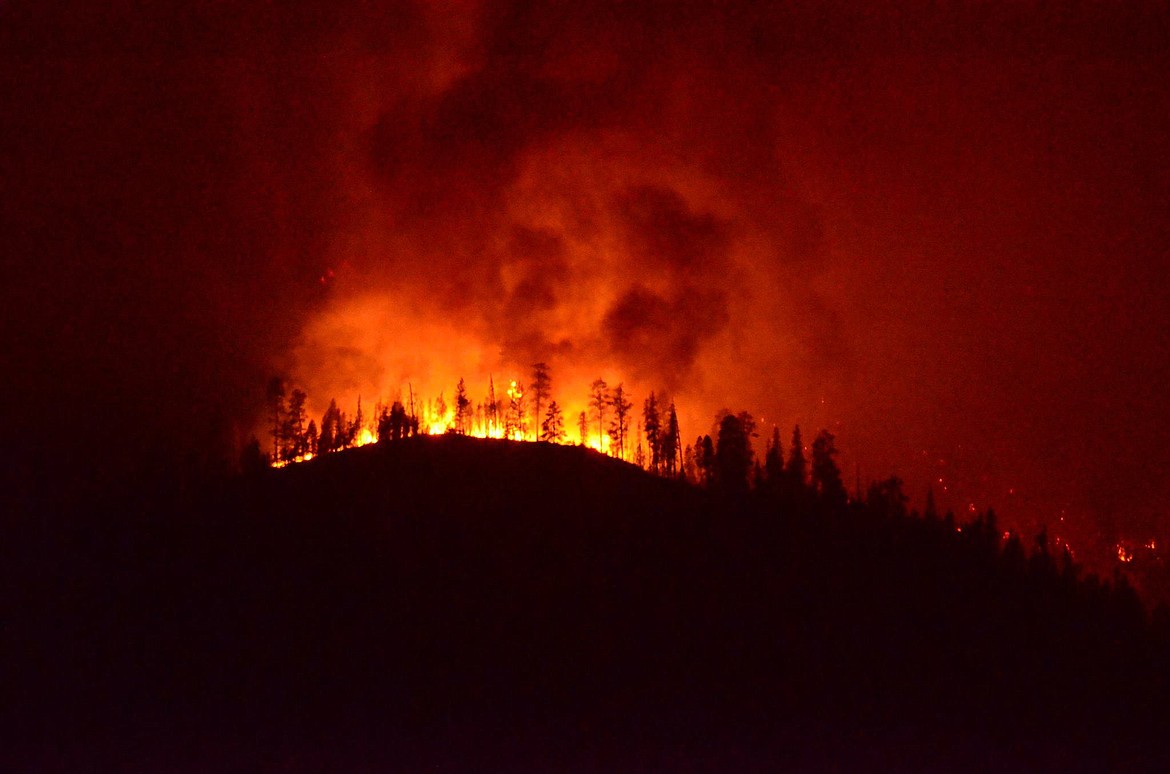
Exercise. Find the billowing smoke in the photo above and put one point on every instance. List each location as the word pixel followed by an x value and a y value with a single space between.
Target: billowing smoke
pixel 591 186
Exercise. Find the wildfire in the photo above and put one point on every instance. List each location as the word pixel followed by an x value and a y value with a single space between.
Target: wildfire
pixel 518 414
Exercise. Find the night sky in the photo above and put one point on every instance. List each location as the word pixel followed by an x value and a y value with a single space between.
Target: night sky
pixel 941 233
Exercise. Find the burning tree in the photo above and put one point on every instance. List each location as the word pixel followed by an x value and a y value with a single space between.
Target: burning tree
pixel 514 422
pixel 492 408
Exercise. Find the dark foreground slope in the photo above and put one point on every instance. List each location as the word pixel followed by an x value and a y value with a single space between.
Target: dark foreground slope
pixel 472 604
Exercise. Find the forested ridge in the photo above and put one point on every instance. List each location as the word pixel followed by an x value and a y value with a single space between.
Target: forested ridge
pixel 483 603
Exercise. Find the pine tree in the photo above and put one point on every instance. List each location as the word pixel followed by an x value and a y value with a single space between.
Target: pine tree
pixel 493 418
pixel 552 429
pixel 311 438
pixel 652 426
pixel 796 462
pixel 671 441
pixel 825 473
pixel 541 384
pixel 599 401
pixel 583 428
pixel 705 458
pixel 931 511
pixel 329 440
pixel 620 426
pixel 294 425
pixel 774 460
pixel 276 406
pixel 462 408
pixel 514 420
pixel 733 459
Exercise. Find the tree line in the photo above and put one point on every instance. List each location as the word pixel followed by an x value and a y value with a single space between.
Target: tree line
pixel 650 438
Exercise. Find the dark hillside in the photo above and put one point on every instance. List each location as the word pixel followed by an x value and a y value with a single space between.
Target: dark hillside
pixel 484 604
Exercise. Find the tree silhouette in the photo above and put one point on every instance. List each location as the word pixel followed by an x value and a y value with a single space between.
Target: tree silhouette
pixel 733 457
pixel 275 396
pixel 599 401
pixel 462 408
pixel 826 475
pixel 930 512
pixel 293 428
pixel 705 459
pixel 620 426
pixel 670 442
pixel 583 427
pixel 514 420
pixel 330 429
pixel 493 413
pixel 774 461
pixel 311 440
pixel 552 429
pixel 652 427
pixel 797 465
pixel 395 424
pixel 884 498
pixel 541 383
pixel 356 433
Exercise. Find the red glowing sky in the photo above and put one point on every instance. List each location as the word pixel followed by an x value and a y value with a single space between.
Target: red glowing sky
pixel 940 231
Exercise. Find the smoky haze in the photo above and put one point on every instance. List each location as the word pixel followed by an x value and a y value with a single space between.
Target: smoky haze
pixel 941 234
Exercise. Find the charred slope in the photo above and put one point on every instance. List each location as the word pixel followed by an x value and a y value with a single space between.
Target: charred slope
pixel 456 601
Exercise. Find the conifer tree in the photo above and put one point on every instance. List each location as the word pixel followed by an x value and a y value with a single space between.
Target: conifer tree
pixel 294 425
pixel 774 460
pixel 311 438
pixel 796 461
pixel 330 430
pixel 732 455
pixel 599 401
pixel 552 429
pixel 541 384
pixel 462 408
pixel 276 406
pixel 826 475
pixel 620 426
pixel 493 416
pixel 652 426
pixel 705 459
pixel 514 420
pixel 671 441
